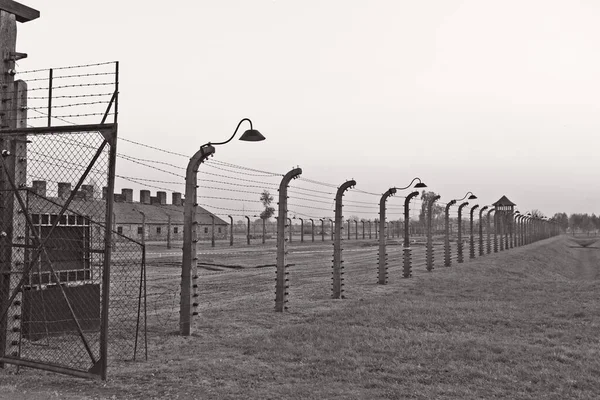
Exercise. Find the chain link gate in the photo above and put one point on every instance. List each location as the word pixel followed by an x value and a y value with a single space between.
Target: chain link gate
pixel 56 245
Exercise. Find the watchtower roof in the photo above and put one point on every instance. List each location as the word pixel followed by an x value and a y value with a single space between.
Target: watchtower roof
pixel 22 12
pixel 504 201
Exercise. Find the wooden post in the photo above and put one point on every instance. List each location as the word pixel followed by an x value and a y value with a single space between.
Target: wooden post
pixel 13 114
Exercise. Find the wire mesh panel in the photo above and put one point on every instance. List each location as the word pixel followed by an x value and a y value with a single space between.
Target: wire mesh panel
pixel 56 264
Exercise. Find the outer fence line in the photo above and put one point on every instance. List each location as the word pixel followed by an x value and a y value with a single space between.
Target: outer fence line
pixel 338 268
pixel 406 251
pixel 382 274
pixel 481 249
pixel 459 242
pixel 281 281
pixel 471 233
pixel 429 250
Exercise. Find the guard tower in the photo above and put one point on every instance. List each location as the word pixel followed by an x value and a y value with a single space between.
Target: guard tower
pixel 505 215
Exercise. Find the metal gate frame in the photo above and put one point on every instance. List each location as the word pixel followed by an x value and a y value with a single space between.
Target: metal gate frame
pixel 109 133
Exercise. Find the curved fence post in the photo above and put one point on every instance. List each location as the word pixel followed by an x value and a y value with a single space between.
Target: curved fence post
pixel 471 233
pixel 407 262
pixel 489 230
pixel 382 274
pixel 281 282
pixel 496 217
pixel 338 268
pixel 481 210
pixel 189 265
pixel 429 250
pixel 459 242
pixel 447 256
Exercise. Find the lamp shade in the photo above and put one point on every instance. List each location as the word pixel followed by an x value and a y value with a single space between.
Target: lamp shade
pixel 420 185
pixel 472 197
pixel 252 135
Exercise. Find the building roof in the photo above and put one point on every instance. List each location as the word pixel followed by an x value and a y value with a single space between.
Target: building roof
pixel 129 213
pixel 504 201
pixel 124 213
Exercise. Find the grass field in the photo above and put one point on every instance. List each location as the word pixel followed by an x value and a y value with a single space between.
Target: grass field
pixel 521 324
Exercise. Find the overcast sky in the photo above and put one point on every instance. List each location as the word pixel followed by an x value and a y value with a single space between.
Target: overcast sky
pixel 495 97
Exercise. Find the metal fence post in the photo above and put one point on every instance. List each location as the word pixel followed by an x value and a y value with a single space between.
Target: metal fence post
pixel 471 233
pixel 459 242
pixel 429 251
pixel 481 250
pixel 382 275
pixel 322 229
pixel 338 268
pixel 406 251
pixel 281 281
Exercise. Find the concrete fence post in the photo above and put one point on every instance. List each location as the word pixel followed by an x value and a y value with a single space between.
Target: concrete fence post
pixel 496 228
pixel 370 236
pixel 312 229
pixel 189 266
pixel 322 229
pixel 447 256
pixel 363 228
pixel 406 251
pixel 332 227
pixel 338 268
pixel 230 230
pixel 248 230
pixel 212 233
pixel 481 249
pixel 349 229
pixel 290 229
pixel 459 242
pixel 355 229
pixel 382 274
pixel 501 225
pixel 376 228
pixel 472 233
pixel 281 281
pixel 429 250
pixel 489 230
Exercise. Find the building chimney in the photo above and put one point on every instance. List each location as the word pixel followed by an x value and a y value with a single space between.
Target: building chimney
pixel 176 196
pixel 162 198
pixel 128 195
pixel 145 196
pixel 64 190
pixel 88 191
pixel 39 188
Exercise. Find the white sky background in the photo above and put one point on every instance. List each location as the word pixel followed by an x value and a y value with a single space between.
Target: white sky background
pixel 495 97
